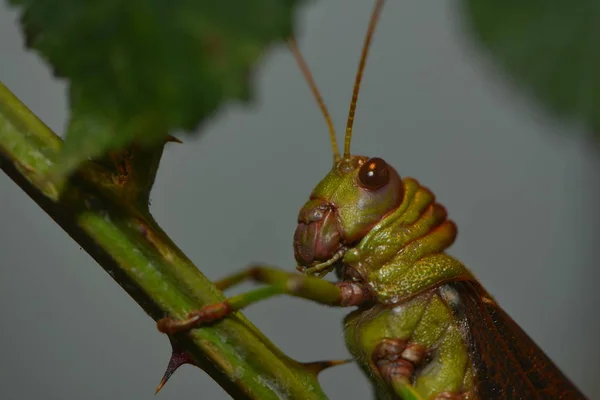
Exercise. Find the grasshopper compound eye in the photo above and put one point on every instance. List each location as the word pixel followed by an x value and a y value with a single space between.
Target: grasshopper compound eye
pixel 374 174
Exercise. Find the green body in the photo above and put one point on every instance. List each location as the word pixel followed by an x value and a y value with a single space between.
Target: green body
pixel 421 297
pixel 401 259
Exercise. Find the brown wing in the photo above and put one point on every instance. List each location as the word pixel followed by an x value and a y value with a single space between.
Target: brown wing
pixel 507 363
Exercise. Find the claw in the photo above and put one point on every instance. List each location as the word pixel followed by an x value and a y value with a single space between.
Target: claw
pixel 178 358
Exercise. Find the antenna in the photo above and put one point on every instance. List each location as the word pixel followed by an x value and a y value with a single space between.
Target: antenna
pixel 313 87
pixel 361 66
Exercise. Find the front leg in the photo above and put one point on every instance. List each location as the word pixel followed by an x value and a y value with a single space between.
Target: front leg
pixel 342 294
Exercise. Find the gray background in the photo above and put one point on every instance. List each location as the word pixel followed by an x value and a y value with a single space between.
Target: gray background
pixel 523 188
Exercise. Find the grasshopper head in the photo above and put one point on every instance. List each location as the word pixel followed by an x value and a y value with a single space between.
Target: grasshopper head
pixel 352 198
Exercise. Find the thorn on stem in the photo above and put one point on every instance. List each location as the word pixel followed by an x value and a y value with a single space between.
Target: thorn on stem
pixel 172 139
pixel 178 358
pixel 319 366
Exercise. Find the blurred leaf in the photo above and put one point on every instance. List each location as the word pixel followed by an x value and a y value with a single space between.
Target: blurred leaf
pixel 139 69
pixel 550 47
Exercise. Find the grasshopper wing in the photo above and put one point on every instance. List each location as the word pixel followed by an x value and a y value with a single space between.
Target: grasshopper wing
pixel 507 362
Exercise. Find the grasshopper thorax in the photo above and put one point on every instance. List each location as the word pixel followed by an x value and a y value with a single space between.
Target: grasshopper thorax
pixel 344 206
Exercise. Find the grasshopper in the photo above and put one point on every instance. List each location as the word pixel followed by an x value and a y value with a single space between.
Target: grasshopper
pixel 423 327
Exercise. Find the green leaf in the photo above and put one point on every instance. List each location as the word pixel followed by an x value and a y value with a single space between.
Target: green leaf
pixel 550 47
pixel 139 69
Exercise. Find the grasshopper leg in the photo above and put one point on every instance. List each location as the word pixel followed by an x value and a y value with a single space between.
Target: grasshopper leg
pixel 396 360
pixel 343 294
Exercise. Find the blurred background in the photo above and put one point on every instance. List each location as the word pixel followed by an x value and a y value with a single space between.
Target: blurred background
pixel 523 188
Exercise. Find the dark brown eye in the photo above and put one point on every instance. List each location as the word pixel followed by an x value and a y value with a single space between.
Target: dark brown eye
pixel 373 174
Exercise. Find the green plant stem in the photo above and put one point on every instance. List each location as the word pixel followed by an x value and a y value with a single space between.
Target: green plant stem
pixel 126 241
